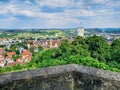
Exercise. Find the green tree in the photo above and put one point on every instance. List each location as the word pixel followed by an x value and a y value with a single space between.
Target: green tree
pixel 65 48
pixel 79 40
pixel 116 50
pixel 57 52
pixel 32 49
pixel 14 57
pixel 116 43
pixel 80 50
pixel 17 52
pixel 80 46
pixel 99 48
pixel 22 45
pixel 14 47
pixel 5 54
pixel 25 47
pixel 47 55
pixel 3 46
pixel 40 48
pixel 8 50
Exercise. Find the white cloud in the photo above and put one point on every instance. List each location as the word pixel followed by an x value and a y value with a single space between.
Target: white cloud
pixel 54 3
pixel 3 11
pixel 103 22
pixel 80 12
pixel 115 4
pixel 74 12
pixel 100 1
pixel 8 22
pixel 35 11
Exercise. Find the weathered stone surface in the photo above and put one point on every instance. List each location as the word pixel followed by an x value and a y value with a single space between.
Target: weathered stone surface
pixel 88 82
pixel 65 77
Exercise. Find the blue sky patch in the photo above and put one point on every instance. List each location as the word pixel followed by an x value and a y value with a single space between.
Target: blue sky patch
pixel 48 9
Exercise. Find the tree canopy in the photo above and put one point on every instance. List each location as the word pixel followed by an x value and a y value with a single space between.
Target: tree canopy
pixel 92 51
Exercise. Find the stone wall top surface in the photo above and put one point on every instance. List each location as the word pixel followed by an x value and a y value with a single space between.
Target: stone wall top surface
pixel 58 70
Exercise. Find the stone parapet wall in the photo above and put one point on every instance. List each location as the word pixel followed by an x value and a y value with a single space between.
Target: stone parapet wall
pixel 64 77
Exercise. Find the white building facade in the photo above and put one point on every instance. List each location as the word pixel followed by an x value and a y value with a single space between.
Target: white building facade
pixel 80 31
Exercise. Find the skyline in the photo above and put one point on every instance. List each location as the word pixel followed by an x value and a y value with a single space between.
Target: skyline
pixel 59 14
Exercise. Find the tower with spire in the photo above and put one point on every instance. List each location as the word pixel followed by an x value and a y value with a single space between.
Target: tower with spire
pixel 80 31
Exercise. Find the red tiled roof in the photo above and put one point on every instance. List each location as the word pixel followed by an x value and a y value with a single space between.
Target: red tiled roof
pixel 1 61
pixel 10 63
pixel 26 52
pixel 10 54
pixel 8 57
pixel 26 55
pixel 1 56
pixel 56 42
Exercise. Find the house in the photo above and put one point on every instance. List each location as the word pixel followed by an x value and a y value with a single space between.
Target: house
pixel 19 60
pixel 46 44
pixel 10 54
pixel 36 45
pixel 9 59
pixel 55 43
pixel 2 60
pixel 35 49
pixel 11 63
pixel 26 56
pixel 2 63
pixel 2 51
pixel 2 57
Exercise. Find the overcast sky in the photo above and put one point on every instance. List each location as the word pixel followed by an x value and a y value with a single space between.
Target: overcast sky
pixel 59 13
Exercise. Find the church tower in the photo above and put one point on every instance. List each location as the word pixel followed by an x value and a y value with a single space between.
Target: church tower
pixel 80 31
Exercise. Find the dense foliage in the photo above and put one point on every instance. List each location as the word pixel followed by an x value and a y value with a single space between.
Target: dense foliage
pixel 92 51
